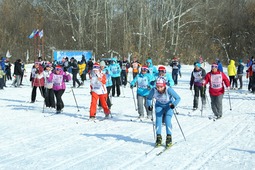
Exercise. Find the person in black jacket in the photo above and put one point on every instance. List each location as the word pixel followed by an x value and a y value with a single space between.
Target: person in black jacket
pixel 17 73
pixel 196 79
pixel 75 70
pixel 240 68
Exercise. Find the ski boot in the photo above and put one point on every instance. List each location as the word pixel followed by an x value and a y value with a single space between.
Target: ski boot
pixel 159 140
pixel 168 141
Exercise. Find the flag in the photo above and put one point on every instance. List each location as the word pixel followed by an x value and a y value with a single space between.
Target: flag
pixel 8 55
pixel 32 34
pixel 37 33
pixel 41 34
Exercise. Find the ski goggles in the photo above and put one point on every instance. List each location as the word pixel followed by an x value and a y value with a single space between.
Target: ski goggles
pixel 162 71
pixel 144 69
pixel 214 66
pixel 58 69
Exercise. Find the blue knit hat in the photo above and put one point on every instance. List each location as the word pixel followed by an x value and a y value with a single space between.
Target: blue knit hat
pixel 198 65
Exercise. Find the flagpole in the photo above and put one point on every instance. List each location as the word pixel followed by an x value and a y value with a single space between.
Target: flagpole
pixel 34 48
pixel 43 49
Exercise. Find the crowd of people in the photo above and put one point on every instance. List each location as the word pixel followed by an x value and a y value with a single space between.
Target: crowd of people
pixel 154 84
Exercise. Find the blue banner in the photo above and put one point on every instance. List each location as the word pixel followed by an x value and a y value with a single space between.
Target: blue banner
pixel 58 55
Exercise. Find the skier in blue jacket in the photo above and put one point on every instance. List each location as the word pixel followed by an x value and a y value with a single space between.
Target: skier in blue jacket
pixel 115 70
pixel 162 73
pixel 166 100
pixel 152 70
pixel 143 81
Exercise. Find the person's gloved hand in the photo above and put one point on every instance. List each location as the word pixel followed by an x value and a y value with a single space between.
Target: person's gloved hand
pixel 150 108
pixel 190 87
pixel 172 106
pixel 148 87
pixel 131 86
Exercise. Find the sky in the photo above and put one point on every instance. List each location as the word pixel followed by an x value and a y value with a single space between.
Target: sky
pixel 33 137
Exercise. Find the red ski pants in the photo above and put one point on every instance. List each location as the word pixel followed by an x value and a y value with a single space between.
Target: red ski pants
pixel 93 105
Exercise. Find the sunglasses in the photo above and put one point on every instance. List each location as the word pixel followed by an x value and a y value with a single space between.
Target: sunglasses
pixel 162 71
pixel 214 66
pixel 143 69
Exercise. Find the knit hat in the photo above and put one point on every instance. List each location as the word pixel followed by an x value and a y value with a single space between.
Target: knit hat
pixel 144 67
pixel 102 63
pixel 162 68
pixel 198 65
pixel 58 67
pixel 96 66
pixel 161 81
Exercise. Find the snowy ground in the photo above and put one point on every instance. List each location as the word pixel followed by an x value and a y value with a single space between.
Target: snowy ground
pixel 31 139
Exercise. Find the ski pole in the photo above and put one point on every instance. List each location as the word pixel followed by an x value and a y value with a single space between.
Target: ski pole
pixel 75 99
pixel 153 124
pixel 179 124
pixel 134 99
pixel 229 101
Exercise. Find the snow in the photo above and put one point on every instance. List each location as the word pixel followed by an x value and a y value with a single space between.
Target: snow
pixel 31 139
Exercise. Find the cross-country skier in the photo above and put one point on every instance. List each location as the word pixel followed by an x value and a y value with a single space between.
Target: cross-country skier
pixel 37 79
pixel 58 77
pixel 143 81
pixel 108 83
pixel 216 80
pixel 196 79
pixel 162 73
pixel 166 100
pixel 49 93
pixel 98 91
pixel 176 69
pixel 115 73
pixel 251 71
pixel 152 70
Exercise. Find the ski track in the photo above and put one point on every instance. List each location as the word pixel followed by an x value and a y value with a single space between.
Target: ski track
pixel 80 158
pixel 205 155
pixel 143 159
pixel 200 160
pixel 50 146
pixel 20 138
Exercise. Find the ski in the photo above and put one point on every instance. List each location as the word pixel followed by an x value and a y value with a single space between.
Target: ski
pixel 214 118
pixel 151 150
pixel 165 149
pixel 192 111
pixel 136 120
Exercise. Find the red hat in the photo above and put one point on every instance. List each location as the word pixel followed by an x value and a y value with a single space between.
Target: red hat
pixel 162 68
pixel 161 81
pixel 58 67
pixel 144 67
pixel 96 66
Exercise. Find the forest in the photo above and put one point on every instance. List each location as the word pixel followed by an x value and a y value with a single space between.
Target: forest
pixel 157 29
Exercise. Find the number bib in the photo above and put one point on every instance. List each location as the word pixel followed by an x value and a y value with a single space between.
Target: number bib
pixel 142 82
pixel 216 81
pixel 57 80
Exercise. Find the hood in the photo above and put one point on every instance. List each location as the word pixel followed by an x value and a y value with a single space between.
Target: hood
pixel 149 61
pixel 114 60
pixel 232 62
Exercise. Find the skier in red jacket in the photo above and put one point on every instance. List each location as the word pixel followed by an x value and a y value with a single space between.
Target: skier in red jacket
pixel 216 80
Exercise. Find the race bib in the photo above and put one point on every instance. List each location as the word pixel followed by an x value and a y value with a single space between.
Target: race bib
pixel 216 81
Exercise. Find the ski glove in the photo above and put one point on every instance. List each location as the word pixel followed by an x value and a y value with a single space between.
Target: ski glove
pixel 131 86
pixel 150 108
pixel 148 87
pixel 172 106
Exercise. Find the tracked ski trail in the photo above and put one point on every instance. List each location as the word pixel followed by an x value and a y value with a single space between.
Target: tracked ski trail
pixel 47 147
pixel 215 147
pixel 79 158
